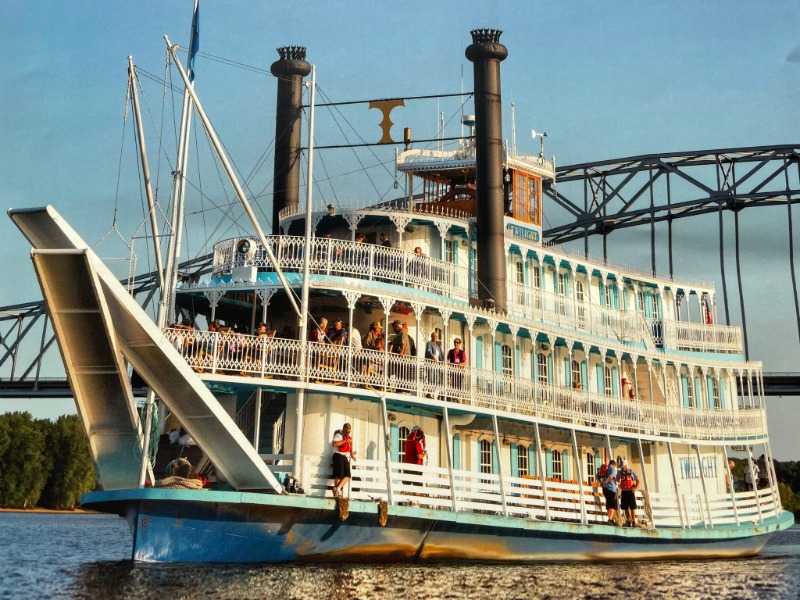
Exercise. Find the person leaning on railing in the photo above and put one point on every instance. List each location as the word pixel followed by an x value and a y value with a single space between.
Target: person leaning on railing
pixel 456 356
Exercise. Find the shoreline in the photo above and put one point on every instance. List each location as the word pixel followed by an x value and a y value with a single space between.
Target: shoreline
pixel 49 511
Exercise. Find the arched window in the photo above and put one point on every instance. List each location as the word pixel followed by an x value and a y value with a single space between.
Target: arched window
pixel 557 468
pixel 577 378
pixel 542 371
pixel 486 456
pixel 522 460
pixel 590 473
pixel 580 298
pixel 715 393
pixel 402 436
pixel 507 362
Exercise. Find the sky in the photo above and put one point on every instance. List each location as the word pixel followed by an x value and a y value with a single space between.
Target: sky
pixel 604 80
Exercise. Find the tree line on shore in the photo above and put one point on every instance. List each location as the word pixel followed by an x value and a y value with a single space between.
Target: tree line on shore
pixel 46 464
pixel 43 463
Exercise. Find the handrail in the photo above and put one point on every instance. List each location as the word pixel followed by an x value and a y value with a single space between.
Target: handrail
pixel 237 354
pixel 344 258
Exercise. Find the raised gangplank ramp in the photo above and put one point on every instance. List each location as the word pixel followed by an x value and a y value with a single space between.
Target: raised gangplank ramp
pixel 97 324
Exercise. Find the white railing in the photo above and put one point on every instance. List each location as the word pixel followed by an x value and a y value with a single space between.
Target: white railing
pixel 350 259
pixel 699 337
pixel 236 354
pixel 429 487
pixel 398 205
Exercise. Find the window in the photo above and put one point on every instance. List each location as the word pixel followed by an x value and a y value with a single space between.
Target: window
pixel 536 272
pixel 608 381
pixel 522 460
pixel 562 292
pixel 715 393
pixel 690 391
pixel 449 254
pixel 486 457
pixel 402 433
pixel 577 377
pixel 590 467
pixel 542 371
pixel 520 272
pixel 580 298
pixel 557 468
pixel 526 198
pixel 507 362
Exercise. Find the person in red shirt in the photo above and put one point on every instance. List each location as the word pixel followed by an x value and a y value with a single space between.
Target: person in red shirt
pixel 414 451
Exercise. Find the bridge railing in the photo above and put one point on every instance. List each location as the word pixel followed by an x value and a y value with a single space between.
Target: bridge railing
pixel 250 356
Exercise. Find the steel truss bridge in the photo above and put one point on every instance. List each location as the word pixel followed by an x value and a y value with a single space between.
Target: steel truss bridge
pixel 590 203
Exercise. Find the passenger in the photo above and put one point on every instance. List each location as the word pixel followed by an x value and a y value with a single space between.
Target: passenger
pixel 374 334
pixel 628 482
pixel 319 334
pixel 751 473
pixel 400 342
pixel 627 389
pixel 730 482
pixel 385 242
pixel 433 352
pixel 418 251
pixel 456 356
pixel 610 493
pixel 337 334
pixel 342 454
pixel 763 474
pixel 180 475
pixel 360 238
pixel 414 452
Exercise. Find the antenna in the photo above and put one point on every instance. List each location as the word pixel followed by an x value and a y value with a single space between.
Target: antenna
pixel 513 131
pixel 541 137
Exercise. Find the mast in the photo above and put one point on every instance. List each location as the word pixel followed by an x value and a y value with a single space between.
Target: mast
pixel 301 393
pixel 148 421
pixel 179 177
pixel 234 182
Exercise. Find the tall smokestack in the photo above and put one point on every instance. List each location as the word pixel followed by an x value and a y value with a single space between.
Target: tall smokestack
pixel 485 53
pixel 290 70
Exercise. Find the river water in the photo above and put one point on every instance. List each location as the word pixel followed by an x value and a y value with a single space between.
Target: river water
pixel 88 556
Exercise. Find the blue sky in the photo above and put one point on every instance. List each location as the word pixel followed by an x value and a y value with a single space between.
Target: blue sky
pixel 604 80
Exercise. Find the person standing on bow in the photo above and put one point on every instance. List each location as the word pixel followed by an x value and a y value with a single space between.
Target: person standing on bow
pixel 610 493
pixel 628 482
pixel 342 453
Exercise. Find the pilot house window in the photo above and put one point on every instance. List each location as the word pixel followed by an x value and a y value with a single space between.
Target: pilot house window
pixel 527 206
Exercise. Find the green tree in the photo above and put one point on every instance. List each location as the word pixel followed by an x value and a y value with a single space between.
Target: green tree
pixel 23 465
pixel 71 473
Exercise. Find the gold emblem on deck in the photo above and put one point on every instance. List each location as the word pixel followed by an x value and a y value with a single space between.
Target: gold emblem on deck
pixel 386 107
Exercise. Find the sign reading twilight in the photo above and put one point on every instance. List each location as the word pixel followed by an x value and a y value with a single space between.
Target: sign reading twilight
pixel 532 235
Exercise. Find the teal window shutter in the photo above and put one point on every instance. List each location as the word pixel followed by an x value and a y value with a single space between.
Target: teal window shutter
pixel 476 456
pixel 685 388
pixel 721 392
pixel 533 460
pixel 498 357
pixel 567 372
pixel 710 390
pixel 615 297
pixel 517 364
pixel 566 285
pixel 698 398
pixel 495 457
pixel 597 460
pixel 585 375
pixel 548 461
pixel 550 373
pixel 457 451
pixel 455 251
pixel 601 382
pixel 614 382
pixel 478 352
pixel 565 465
pixel 514 461
pixel 395 444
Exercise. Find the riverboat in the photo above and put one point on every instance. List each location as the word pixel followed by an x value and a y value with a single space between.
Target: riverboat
pixel 568 363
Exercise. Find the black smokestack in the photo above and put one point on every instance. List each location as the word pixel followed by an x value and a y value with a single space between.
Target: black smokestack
pixel 290 70
pixel 485 53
